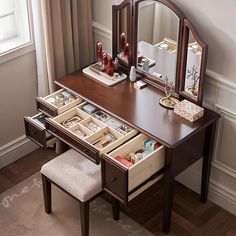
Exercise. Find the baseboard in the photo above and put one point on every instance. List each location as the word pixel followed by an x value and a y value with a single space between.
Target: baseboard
pixel 16 149
pixel 218 194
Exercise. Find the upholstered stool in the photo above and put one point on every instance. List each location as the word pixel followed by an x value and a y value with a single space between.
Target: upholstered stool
pixel 78 177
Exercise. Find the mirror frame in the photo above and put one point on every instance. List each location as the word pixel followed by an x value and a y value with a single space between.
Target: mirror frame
pixel 189 27
pixel 115 43
pixel 148 77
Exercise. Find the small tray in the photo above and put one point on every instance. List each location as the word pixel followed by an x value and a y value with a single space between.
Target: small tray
pixel 103 77
pixel 169 102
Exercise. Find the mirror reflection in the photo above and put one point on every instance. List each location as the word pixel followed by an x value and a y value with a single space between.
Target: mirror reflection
pixel 123 36
pixel 193 66
pixel 158 29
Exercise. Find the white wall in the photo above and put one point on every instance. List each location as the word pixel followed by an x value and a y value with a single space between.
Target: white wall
pixel 18 89
pixel 214 22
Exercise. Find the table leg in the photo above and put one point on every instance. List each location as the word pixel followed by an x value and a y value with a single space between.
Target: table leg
pixel 207 159
pixel 168 192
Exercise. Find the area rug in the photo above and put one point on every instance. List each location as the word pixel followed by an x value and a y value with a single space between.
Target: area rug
pixel 22 213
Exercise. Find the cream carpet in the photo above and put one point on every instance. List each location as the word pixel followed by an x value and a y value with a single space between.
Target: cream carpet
pixel 22 213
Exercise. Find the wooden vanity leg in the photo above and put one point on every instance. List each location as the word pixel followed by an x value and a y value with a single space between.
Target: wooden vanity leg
pixel 168 192
pixel 207 159
pixel 115 209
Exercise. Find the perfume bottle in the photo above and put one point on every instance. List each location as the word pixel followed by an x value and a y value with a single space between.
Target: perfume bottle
pixel 126 50
pixel 99 52
pixel 104 61
pixel 109 66
pixel 115 65
pixel 122 41
pixel 132 75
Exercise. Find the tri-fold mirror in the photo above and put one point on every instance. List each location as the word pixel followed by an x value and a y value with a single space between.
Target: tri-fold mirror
pixel 156 37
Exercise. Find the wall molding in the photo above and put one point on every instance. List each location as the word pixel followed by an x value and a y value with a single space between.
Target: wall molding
pixel 220 81
pixel 15 149
pixel 230 115
pixel 219 194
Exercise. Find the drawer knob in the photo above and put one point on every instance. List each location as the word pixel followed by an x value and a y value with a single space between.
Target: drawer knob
pixel 34 133
pixel 113 179
pixel 85 150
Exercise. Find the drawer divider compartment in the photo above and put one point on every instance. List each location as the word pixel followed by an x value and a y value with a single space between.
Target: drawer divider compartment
pixel 78 144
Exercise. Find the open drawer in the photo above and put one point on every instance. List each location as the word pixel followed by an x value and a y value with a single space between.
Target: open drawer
pixel 36 131
pixel 57 102
pixel 85 133
pixel 125 183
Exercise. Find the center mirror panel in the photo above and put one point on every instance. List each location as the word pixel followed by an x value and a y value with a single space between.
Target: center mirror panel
pixel 158 42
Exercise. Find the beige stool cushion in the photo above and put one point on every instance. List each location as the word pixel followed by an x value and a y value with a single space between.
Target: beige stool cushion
pixel 74 173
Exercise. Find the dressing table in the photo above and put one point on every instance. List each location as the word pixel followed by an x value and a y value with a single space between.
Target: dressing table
pixel 181 142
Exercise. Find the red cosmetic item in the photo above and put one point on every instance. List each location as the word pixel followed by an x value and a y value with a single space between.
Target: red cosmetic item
pixel 126 51
pixel 123 161
pixel 104 60
pixel 109 66
pixel 122 41
pixel 99 51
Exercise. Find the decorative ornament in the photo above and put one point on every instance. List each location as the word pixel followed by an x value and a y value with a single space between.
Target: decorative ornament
pixel 193 75
pixel 168 101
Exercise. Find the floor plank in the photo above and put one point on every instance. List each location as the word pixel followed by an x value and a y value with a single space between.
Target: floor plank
pixel 190 217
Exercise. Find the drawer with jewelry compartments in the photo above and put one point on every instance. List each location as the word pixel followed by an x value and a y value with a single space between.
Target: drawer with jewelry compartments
pixel 58 102
pixel 89 130
pixel 133 167
pixel 36 131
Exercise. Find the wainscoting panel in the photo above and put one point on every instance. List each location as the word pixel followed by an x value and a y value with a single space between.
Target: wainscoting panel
pixel 15 150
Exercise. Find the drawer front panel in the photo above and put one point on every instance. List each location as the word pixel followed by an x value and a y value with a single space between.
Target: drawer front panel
pixel 35 132
pixel 46 108
pixel 114 180
pixel 77 144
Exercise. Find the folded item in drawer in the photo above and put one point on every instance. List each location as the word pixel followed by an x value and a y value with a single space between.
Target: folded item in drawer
pixel 123 161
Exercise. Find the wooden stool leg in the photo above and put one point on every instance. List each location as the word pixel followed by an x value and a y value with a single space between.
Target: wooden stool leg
pixel 115 209
pixel 84 216
pixel 47 194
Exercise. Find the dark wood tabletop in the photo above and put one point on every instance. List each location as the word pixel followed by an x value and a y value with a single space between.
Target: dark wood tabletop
pixel 138 108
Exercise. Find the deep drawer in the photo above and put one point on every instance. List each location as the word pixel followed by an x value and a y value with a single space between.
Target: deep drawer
pixel 51 109
pixel 125 183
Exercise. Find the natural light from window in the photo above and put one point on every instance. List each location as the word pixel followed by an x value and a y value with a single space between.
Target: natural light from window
pixel 14 25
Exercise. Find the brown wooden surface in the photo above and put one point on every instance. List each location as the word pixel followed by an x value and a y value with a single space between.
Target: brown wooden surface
pixel 189 216
pixel 139 108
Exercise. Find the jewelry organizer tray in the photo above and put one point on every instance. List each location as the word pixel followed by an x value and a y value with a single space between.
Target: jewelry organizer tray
pixel 105 79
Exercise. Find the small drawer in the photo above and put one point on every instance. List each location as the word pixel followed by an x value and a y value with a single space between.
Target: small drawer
pixel 36 131
pixel 124 182
pixel 57 103
pixel 92 136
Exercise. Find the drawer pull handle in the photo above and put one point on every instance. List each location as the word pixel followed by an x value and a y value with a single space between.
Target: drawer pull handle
pixel 85 150
pixel 34 133
pixel 113 179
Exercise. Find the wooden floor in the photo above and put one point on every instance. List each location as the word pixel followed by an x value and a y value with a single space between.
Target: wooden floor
pixel 189 217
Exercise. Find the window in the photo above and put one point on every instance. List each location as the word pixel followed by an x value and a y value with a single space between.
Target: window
pixel 15 28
